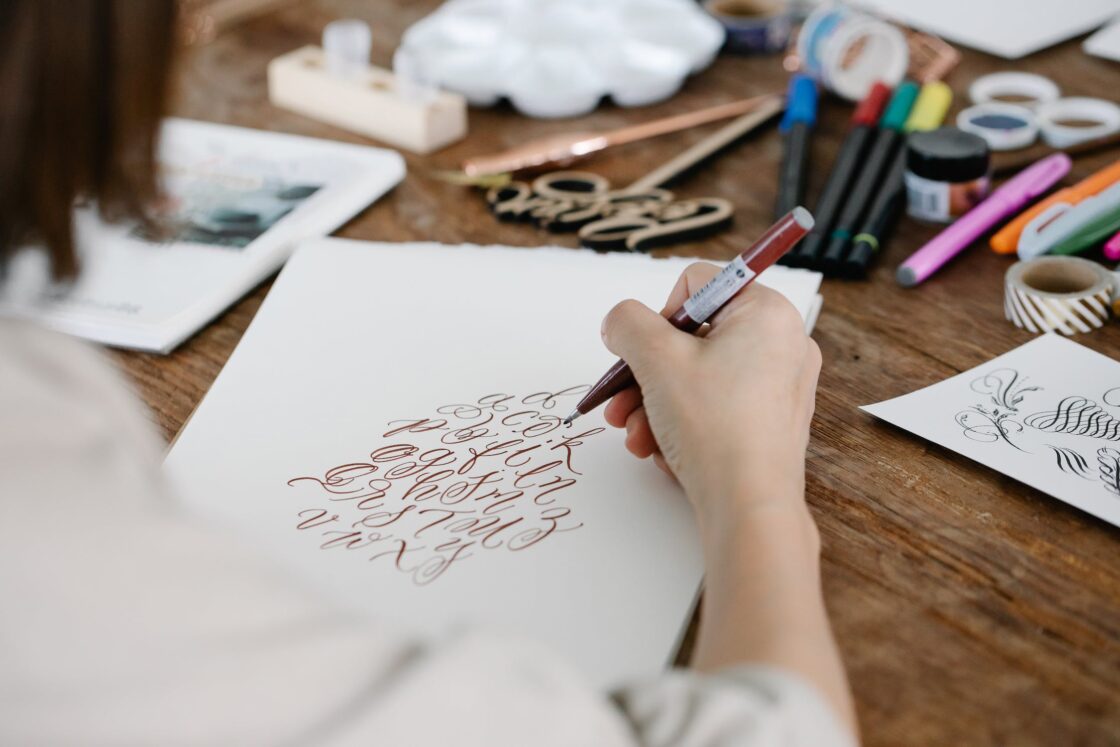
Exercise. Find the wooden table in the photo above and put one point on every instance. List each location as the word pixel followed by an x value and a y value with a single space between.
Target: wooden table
pixel 971 609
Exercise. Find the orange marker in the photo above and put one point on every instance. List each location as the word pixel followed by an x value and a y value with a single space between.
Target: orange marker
pixel 1006 240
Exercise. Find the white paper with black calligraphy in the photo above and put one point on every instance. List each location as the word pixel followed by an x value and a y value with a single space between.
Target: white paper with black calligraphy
pixel 1046 414
pixel 389 427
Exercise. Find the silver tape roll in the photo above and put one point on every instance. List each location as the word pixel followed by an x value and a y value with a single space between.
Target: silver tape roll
pixel 1058 294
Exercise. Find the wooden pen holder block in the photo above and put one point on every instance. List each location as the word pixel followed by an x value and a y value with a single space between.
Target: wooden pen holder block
pixel 367 103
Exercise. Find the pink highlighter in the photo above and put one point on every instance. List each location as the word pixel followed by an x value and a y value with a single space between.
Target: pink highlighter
pixel 1012 197
pixel 1112 247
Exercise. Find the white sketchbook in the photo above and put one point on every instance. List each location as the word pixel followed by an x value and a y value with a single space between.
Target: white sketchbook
pixel 237 202
pixel 1007 28
pixel 1046 414
pixel 389 429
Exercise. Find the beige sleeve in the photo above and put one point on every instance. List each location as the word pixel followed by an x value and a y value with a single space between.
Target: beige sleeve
pixel 126 621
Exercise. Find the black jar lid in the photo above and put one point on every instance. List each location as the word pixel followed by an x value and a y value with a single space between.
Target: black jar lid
pixel 947 155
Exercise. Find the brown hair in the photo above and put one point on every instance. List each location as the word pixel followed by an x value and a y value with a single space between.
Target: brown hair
pixel 82 89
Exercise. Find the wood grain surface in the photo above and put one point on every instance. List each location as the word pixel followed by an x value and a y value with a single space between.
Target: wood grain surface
pixel 971 610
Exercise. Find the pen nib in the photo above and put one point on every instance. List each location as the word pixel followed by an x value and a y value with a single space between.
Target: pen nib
pixel 568 420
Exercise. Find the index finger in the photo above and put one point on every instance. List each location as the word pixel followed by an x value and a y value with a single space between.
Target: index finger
pixel 694 277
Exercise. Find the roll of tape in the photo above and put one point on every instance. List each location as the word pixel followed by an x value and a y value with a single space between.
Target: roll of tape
pixel 756 26
pixel 1022 89
pixel 1003 126
pixel 1058 294
pixel 1054 116
pixel 848 51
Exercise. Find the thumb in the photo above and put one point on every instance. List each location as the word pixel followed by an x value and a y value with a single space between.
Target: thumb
pixel 640 336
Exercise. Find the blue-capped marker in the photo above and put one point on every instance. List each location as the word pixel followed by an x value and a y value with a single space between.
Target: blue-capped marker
pixel 796 128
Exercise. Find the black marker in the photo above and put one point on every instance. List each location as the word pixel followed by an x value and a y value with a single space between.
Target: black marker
pixel 874 172
pixel 928 113
pixel 843 170
pixel 880 219
pixel 796 129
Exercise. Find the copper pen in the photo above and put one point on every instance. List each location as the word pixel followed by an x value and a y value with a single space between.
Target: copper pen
pixel 566 148
pixel 706 302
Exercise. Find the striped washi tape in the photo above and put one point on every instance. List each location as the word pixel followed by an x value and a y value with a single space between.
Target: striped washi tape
pixel 1058 294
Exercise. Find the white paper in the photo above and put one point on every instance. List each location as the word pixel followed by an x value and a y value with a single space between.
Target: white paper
pixel 1006 28
pixel 152 295
pixel 1046 414
pixel 1105 43
pixel 354 336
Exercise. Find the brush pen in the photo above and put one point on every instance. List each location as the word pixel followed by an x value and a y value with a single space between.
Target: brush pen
pixel 1025 186
pixel 1064 221
pixel 843 171
pixel 706 302
pixel 1094 232
pixel 563 149
pixel 928 113
pixel 871 175
pixel 1007 239
pixel 796 129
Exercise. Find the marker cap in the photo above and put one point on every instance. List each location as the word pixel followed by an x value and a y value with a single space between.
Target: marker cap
pixel 899 107
pixel 801 102
pixel 868 111
pixel 930 107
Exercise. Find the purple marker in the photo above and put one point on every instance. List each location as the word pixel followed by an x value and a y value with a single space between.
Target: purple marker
pixel 1013 196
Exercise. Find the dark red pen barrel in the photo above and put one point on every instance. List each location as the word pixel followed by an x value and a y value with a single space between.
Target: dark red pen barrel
pixel 765 251
pixel 618 377
pixel 777 240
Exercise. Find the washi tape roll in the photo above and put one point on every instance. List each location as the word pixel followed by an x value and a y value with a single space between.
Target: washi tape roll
pixel 1067 122
pixel 753 26
pixel 1022 89
pixel 1058 294
pixel 1003 126
pixel 848 51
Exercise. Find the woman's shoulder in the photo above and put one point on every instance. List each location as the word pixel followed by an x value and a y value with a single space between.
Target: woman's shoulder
pixel 66 415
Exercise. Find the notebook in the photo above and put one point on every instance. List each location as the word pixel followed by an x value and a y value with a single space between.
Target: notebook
pixel 237 202
pixel 389 429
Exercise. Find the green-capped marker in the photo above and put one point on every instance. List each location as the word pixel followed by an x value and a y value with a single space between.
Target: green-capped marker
pixel 898 108
pixel 928 113
pixel 874 172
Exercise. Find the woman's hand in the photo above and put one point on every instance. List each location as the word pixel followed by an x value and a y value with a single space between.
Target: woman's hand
pixel 727 413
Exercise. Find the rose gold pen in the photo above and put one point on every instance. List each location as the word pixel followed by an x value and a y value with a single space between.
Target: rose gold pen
pixel 571 146
pixel 706 302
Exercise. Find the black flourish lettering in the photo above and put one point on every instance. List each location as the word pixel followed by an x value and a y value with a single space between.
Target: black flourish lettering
pixel 998 418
